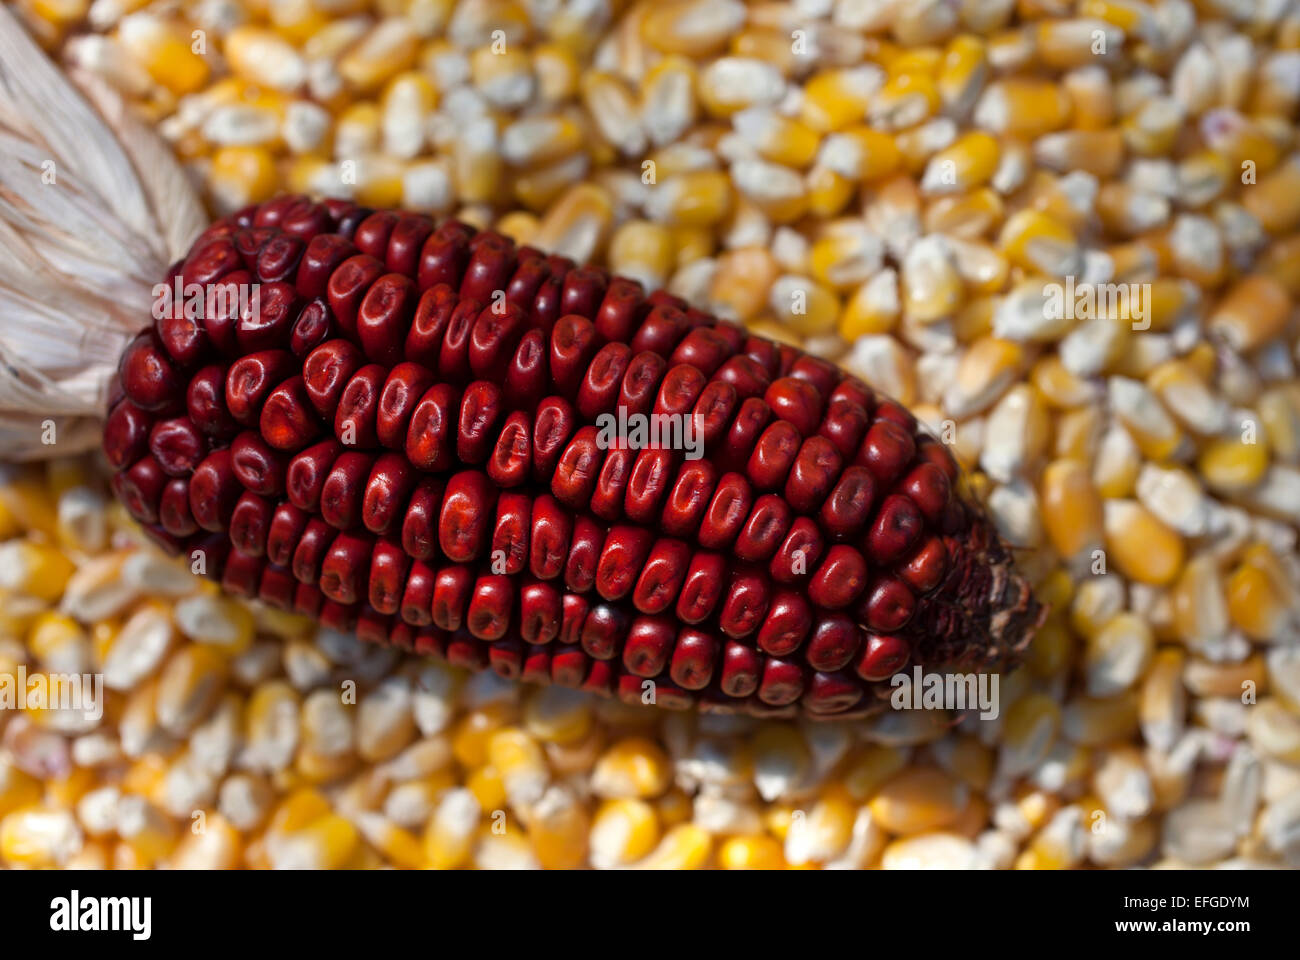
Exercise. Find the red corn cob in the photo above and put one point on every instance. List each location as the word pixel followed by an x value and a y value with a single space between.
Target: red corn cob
pixel 402 436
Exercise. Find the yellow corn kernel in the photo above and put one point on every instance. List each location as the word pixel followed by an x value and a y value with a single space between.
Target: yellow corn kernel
pixel 1012 49
pixel 379 181
pixel 642 250
pixel 18 789
pixel 822 833
pixel 872 768
pixel 834 99
pixel 777 192
pixel 33 837
pixel 558 829
pixel 1230 465
pixel 741 283
pixel 1021 107
pixel 919 58
pixel 962 72
pixel 611 106
pixel 1259 600
pixel 538 187
pixel 1199 610
pixel 980 267
pixel 1116 657
pixel 919 800
pixel 477 164
pixel 1142 547
pixel 780 139
pixel 633 767
pixel 873 308
pixel 1208 679
pixel 1187 394
pixel 449 834
pixel 969 216
pixel 577 224
pixel 695 28
pixel 1052 649
pixel 556 70
pixel 968 163
pixel 519 226
pixel 1152 128
pixel 1038 243
pixel 469 738
pixel 692 243
pixel 1275 199
pixel 557 715
pixel 845 255
pixel 1279 413
pixel 218 847
pixel 388 49
pixel 862 153
pixel 260 56
pixel 828 191
pixel 216 621
pixel 674 807
pixel 1056 589
pixel 905 100
pixel 399 847
pixel 778 818
pixel 1093 722
pixel 974 320
pixel 326 842
pixel 1093 96
pixel 770 46
pixel 1099 152
pixel 58 642
pixel 985 370
pixel 1148 423
pixel 965 758
pixel 240 176
pixel 684 847
pixel 1253 312
pixel 36 570
pixel 1163 698
pixel 696 199
pixel 803 305
pixel 930 851
pixel 1071 508
pixel 1274 731
pixel 542 139
pixel 165 50
pixel 931 286
pixel 188 688
pixel 1281 262
pixel 1059 386
pixel 756 852
pixel 1029 730
pixel 146 777
pixel 27 501
pixel 520 761
pixel 622 832
pixel 488 788
pixel 303 174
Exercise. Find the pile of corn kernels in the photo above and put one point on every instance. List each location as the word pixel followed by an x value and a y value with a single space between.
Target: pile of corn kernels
pixel 888 183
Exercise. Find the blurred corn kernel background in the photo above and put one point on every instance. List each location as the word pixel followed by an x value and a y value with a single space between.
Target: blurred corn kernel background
pixel 889 184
